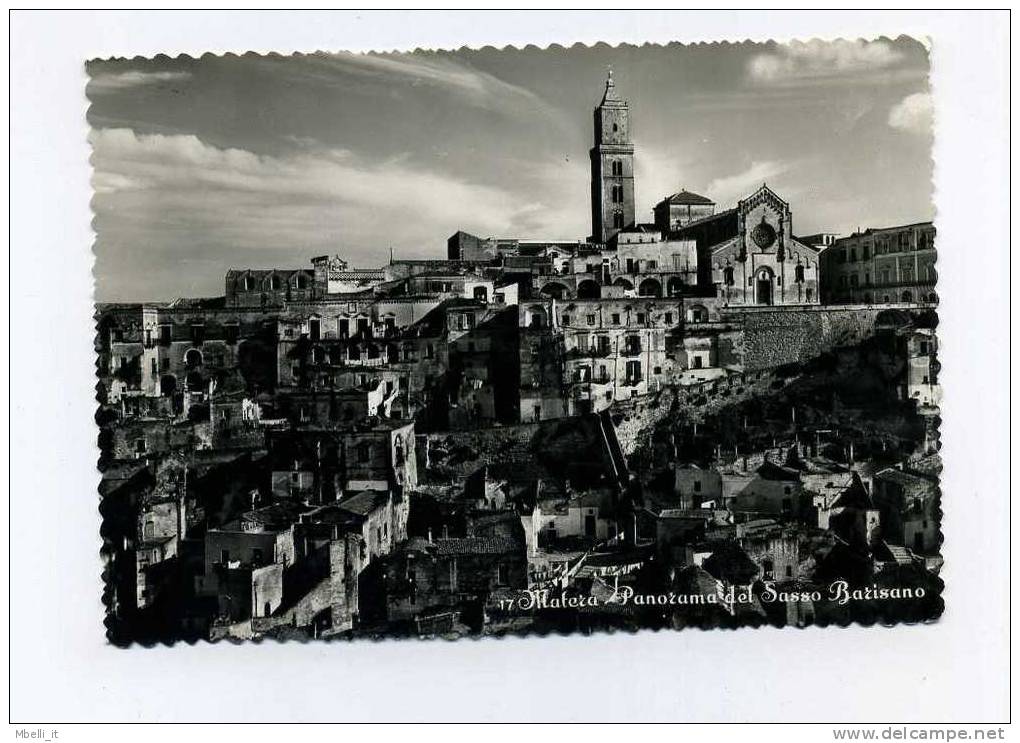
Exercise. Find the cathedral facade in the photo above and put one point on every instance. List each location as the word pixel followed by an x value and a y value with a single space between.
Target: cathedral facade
pixel 746 255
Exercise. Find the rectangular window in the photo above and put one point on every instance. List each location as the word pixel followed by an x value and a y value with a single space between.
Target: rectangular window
pixel 616 318
pixel 164 335
pixel 633 372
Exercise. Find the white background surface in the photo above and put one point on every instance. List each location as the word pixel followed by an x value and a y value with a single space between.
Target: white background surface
pixel 63 670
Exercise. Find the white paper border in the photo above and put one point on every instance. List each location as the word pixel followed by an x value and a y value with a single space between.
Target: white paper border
pixel 62 668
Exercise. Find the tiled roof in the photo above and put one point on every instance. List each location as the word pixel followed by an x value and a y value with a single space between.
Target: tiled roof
pixel 686 197
pixel 365 502
pixel 905 479
pixel 772 471
pixel 477 546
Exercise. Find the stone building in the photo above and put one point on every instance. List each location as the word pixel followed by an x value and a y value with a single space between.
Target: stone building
pixel 680 209
pixel 579 356
pixel 908 503
pixel 921 381
pixel 455 574
pixel 882 266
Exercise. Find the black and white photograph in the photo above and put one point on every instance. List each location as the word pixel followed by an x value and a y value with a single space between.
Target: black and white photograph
pixel 521 341
pixel 514 366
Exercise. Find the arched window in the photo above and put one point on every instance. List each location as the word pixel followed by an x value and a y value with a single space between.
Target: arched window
pixel 318 355
pixel 617 168
pixel 193 358
pixel 798 273
pixel 249 283
pixel 908 296
pixel 302 281
pixel 618 220
pixel 194 382
pixel 274 283
pixel 728 275
pixel 168 385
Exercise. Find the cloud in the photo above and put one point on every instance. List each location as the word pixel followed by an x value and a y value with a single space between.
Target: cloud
pixel 730 189
pixel 800 62
pixel 913 114
pixel 419 70
pixel 177 198
pixel 111 81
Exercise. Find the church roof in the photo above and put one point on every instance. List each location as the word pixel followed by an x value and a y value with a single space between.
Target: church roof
pixel 686 197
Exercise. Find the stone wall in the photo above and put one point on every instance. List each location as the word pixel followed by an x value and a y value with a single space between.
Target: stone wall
pixel 782 336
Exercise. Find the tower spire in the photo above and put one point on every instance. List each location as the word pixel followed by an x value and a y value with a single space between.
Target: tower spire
pixel 610 92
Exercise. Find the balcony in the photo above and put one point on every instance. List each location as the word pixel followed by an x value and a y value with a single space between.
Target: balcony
pixel 631 349
pixel 589 352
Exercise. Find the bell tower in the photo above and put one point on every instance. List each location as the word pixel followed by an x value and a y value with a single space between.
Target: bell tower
pixel 612 167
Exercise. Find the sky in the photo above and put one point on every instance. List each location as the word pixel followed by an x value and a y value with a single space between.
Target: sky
pixel 202 165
